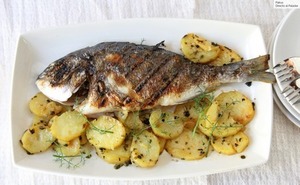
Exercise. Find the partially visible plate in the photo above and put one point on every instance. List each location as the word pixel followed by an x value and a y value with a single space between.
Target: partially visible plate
pixel 37 49
pixel 285 44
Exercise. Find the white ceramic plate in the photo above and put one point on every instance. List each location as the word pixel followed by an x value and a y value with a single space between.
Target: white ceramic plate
pixel 286 43
pixel 37 49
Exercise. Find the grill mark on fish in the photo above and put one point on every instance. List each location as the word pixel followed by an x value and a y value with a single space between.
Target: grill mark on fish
pixel 163 77
pixel 148 72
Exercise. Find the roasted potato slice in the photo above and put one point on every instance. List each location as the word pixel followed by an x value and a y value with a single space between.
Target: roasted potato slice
pixel 239 106
pixel 223 145
pixel 162 143
pixel 42 106
pixel 119 155
pixel 133 121
pixel 240 141
pixel 219 123
pixel 121 115
pixel 68 148
pixel 226 56
pixel 198 49
pixel 68 125
pixel 37 139
pixel 145 149
pixel 188 145
pixel 165 124
pixel 187 112
pixel 106 132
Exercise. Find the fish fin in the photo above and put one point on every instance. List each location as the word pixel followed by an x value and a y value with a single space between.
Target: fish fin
pixel 262 76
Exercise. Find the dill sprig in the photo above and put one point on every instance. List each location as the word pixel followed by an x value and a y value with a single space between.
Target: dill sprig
pixel 202 102
pixel 73 162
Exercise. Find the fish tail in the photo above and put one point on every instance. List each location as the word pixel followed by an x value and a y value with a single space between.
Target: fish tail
pixel 251 70
pixel 262 76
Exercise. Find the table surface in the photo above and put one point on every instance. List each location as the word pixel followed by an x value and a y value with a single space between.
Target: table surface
pixel 18 17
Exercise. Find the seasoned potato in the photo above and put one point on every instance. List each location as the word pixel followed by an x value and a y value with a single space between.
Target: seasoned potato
pixel 68 126
pixel 219 123
pixel 165 123
pixel 37 139
pixel 42 106
pixel 162 143
pixel 198 49
pixel 145 149
pixel 223 145
pixel 68 148
pixel 240 107
pixel 188 145
pixel 226 56
pixel 121 115
pixel 133 121
pixel 106 132
pixel 119 155
pixel 240 141
pixel 207 124
pixel 38 120
pixel 187 111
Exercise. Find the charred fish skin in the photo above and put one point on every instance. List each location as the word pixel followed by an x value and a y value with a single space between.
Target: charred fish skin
pixel 113 76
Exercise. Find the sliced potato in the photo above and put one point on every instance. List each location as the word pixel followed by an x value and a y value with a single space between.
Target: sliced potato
pixel 37 139
pixel 41 105
pixel 198 49
pixel 106 132
pixel 206 125
pixel 165 123
pixel 68 148
pixel 40 120
pixel 219 123
pixel 223 145
pixel 240 141
pixel 187 111
pixel 68 126
pixel 145 149
pixel 133 121
pixel 188 145
pixel 162 143
pixel 240 107
pixel 226 56
pixel 121 115
pixel 119 155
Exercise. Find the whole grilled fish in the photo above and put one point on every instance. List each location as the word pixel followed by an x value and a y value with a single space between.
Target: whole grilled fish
pixel 114 76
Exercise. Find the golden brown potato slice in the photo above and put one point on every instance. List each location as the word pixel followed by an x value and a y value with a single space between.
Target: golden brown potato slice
pixel 223 145
pixel 68 126
pixel 219 123
pixel 187 112
pixel 226 56
pixel 121 115
pixel 162 143
pixel 240 141
pixel 188 145
pixel 133 121
pixel 198 49
pixel 145 149
pixel 106 132
pixel 119 155
pixel 239 106
pixel 165 123
pixel 42 106
pixel 68 148
pixel 37 139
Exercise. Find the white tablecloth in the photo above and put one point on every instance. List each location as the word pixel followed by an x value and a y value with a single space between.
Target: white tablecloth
pixel 17 17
